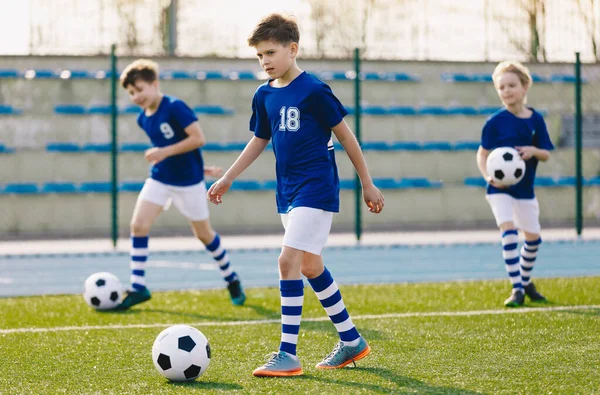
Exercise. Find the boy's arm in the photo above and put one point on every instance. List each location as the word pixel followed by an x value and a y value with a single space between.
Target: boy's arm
pixel 482 155
pixel 371 195
pixel 252 151
pixel 194 140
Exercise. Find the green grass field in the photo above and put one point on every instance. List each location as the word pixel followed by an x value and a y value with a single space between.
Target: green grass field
pixel 426 338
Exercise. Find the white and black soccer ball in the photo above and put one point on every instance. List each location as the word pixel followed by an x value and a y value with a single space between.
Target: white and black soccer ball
pixel 102 291
pixel 181 353
pixel 505 166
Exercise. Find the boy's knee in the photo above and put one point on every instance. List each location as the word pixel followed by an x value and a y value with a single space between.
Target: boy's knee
pixel 139 228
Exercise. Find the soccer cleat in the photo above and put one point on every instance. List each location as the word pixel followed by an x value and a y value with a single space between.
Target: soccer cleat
pixel 134 297
pixel 516 299
pixel 236 292
pixel 343 355
pixel 533 294
pixel 279 364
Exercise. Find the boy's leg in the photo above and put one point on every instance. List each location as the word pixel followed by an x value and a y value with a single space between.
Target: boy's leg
pixel 147 209
pixel 528 216
pixel 191 202
pixel 502 207
pixel 285 362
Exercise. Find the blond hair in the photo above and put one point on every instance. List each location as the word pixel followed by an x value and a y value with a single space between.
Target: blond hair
pixel 141 69
pixel 511 66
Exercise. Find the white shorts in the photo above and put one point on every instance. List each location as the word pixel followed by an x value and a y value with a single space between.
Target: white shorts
pixel 524 213
pixel 307 229
pixel 190 200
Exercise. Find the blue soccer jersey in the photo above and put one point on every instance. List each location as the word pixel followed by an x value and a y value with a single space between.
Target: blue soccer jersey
pixel 504 129
pixel 167 127
pixel 298 118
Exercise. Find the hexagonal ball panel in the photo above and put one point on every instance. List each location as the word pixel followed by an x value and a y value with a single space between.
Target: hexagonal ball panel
pixel 192 372
pixel 518 173
pixel 100 282
pixel 507 156
pixel 186 343
pixel 114 296
pixel 95 301
pixel 499 174
pixel 164 361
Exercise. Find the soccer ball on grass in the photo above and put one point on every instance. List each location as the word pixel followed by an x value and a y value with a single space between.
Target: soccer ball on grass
pixel 102 291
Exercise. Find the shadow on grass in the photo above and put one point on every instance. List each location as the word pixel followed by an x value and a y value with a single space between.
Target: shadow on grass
pixel 400 384
pixel 206 385
pixel 329 328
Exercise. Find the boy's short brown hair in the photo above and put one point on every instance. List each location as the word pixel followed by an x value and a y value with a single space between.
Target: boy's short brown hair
pixel 141 69
pixel 511 66
pixel 275 27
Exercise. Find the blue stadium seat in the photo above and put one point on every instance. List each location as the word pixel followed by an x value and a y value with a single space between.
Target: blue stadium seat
pixel 6 150
pixel 538 78
pixel 401 110
pixel 269 185
pixel 545 181
pixel 40 74
pixel 455 77
pixel 436 146
pixel 462 110
pixel 242 75
pixel 245 185
pixel 59 187
pixel 432 110
pixel 62 147
pixel 560 78
pixel 482 77
pixel 9 73
pixel 466 145
pixel 375 146
pixel 95 147
pixel 385 183
pixel 210 75
pixel 9 110
pixel 101 74
pixel 100 109
pixel 374 110
pixel 593 181
pixel 475 182
pixel 400 76
pixel 176 75
pixel 372 76
pixel 25 188
pixel 74 74
pixel 334 75
pixel 351 110
pixel 347 184
pixel 567 181
pixel 406 146
pixel 131 186
pixel 488 110
pixel 70 109
pixel 135 147
pixel 419 182
pixel 212 110
pixel 131 109
pixel 95 187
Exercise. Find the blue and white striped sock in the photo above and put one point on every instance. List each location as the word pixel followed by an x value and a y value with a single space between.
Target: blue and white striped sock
pixel 510 253
pixel 137 263
pixel 292 299
pixel 331 299
pixel 528 254
pixel 220 255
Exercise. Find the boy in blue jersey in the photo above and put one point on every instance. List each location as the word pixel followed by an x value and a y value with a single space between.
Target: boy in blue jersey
pixel 516 207
pixel 298 113
pixel 176 175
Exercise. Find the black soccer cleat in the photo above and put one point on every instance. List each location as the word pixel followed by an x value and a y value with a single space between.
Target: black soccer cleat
pixel 533 294
pixel 134 297
pixel 236 292
pixel 516 299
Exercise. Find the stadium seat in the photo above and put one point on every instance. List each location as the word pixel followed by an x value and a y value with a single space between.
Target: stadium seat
pixel 372 76
pixel 563 78
pixel 347 184
pixel 432 110
pixel 482 77
pixel 466 145
pixel 95 187
pixel 9 73
pixel 374 110
pixel 375 146
pixel 21 188
pixel 6 150
pixel 70 109
pixel 385 183
pixel 59 187
pixel 538 78
pixel 545 181
pixel 419 182
pixel 455 77
pixel 462 110
pixel 131 109
pixel 176 75
pixel 401 110
pixel 40 74
pixel 334 75
pixel 9 110
pixel 436 146
pixel 399 76
pixel 62 147
pixel 488 110
pixel 100 109
pixel 593 181
pixel 74 74
pixel 135 147
pixel 269 185
pixel 406 146
pixel 475 182
pixel 131 186
pixel 102 74
pixel 242 75
pixel 210 75
pixel 212 110
pixel 567 181
pixel 245 185
pixel 95 147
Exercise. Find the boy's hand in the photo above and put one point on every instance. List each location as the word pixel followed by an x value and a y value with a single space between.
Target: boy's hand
pixel 155 155
pixel 373 198
pixel 213 171
pixel 493 183
pixel 527 152
pixel 217 190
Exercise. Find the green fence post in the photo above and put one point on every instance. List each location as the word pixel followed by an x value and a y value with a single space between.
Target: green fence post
pixel 357 112
pixel 113 153
pixel 578 149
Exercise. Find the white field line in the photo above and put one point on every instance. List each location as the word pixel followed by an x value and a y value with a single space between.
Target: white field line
pixel 523 310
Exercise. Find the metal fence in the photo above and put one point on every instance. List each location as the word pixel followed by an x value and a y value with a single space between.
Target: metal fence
pixel 457 30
